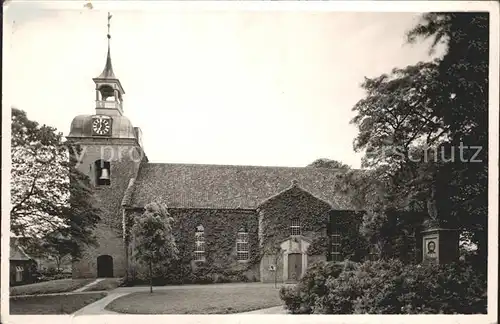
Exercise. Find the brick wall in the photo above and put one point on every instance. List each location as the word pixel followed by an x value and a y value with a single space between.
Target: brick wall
pixel 110 243
pixel 124 163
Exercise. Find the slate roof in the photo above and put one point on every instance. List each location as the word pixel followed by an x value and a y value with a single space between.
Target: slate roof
pixel 227 186
pixel 16 252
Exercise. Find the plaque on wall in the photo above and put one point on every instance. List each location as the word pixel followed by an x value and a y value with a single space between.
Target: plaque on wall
pixel 431 249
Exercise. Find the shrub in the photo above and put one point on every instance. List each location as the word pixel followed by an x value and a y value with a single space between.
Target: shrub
pixel 51 274
pixel 178 274
pixel 302 298
pixel 293 302
pixel 390 287
pixel 432 289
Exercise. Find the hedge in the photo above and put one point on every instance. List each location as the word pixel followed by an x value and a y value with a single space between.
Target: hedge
pixel 389 287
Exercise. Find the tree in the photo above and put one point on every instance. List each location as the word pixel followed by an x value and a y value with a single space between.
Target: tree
pixel 52 246
pixel 48 193
pixel 58 247
pixel 155 241
pixel 462 102
pixel 81 214
pixel 399 132
pixel 413 120
pixel 275 252
pixel 327 163
pixel 39 188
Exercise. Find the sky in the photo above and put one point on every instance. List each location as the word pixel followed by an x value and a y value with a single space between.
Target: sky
pixel 216 87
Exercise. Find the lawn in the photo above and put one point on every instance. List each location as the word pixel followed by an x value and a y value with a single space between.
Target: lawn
pixel 52 305
pixel 49 287
pixel 199 300
pixel 106 284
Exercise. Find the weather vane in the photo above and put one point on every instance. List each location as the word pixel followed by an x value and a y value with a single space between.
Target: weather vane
pixel 109 25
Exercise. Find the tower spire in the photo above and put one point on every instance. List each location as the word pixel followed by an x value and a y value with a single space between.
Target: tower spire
pixel 109 90
pixel 108 73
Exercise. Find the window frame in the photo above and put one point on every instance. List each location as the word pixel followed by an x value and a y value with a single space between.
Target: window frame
pixel 19 273
pixel 295 227
pixel 335 244
pixel 373 255
pixel 242 239
pixel 199 253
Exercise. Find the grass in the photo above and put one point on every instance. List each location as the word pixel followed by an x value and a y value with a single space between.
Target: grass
pixel 199 300
pixel 49 287
pixel 106 284
pixel 52 305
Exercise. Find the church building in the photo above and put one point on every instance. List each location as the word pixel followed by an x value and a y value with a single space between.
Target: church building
pixel 260 223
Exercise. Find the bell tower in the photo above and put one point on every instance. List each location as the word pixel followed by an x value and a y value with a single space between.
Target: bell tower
pixel 111 155
pixel 109 90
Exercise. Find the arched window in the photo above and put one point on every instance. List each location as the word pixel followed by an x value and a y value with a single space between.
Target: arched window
pixel 242 249
pixel 102 173
pixel 295 227
pixel 106 93
pixel 199 242
pixel 335 239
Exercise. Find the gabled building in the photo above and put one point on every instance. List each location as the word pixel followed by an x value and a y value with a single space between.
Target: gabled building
pixel 258 222
pixel 21 264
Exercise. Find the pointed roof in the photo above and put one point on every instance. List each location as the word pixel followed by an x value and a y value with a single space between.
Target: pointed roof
pixel 108 73
pixel 294 189
pixel 16 251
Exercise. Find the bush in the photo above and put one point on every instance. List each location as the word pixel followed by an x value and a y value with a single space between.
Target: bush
pixel 302 298
pixel 353 284
pixel 390 287
pixel 433 289
pixel 293 301
pixel 51 274
pixel 178 274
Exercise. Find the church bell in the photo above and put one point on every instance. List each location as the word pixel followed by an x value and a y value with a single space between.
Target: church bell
pixel 104 174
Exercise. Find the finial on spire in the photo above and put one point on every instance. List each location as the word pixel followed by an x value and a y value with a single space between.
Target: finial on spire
pixel 108 73
pixel 109 26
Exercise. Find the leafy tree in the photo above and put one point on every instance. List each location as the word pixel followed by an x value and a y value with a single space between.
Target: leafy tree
pixel 81 215
pixel 48 193
pixel 155 241
pixel 58 247
pixel 413 120
pixel 462 102
pixel 53 245
pixel 327 163
pixel 397 128
pixel 40 186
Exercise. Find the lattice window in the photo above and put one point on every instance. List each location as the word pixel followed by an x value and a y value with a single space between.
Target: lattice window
pixel 373 256
pixel 335 239
pixel 19 273
pixel 242 249
pixel 199 244
pixel 295 227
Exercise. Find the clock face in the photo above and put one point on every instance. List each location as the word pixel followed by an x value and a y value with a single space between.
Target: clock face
pixel 101 126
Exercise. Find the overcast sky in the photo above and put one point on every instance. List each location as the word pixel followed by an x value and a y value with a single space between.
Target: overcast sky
pixel 257 88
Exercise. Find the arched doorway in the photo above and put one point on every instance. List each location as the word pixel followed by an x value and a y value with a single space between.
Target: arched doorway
pixel 105 266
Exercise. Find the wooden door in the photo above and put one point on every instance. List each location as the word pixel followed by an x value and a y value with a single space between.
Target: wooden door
pixel 105 266
pixel 294 266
